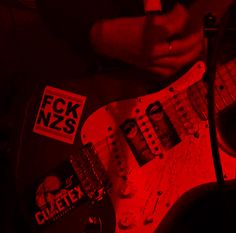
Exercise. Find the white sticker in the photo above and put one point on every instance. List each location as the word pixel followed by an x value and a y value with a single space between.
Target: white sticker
pixel 59 114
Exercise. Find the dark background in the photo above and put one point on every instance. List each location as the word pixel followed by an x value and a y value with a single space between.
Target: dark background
pixel 29 52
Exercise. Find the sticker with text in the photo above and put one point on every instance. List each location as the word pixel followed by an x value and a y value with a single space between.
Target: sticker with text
pixel 59 114
pixel 55 195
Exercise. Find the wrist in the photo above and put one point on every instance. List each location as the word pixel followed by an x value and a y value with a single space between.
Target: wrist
pixel 119 38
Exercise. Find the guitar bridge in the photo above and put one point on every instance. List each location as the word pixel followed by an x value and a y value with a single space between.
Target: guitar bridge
pixel 91 172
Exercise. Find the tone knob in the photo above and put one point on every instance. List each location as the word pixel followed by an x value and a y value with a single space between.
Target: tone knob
pixel 127 221
pixel 148 220
pixel 128 190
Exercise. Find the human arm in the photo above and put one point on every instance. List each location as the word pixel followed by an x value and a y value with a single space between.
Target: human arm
pixel 143 41
pixel 110 29
pixel 146 43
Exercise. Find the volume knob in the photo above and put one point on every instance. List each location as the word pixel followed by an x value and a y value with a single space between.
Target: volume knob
pixel 128 190
pixel 127 221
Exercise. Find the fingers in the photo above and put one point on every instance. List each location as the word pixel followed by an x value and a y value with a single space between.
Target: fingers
pixel 168 66
pixel 172 23
pixel 178 47
pixel 166 47
pixel 176 20
pixel 179 61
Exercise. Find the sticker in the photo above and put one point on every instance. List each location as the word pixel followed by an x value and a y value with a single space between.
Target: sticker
pixel 55 195
pixel 59 114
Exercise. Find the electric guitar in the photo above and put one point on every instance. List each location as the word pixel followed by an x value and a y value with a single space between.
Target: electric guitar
pixel 156 147
pixel 131 159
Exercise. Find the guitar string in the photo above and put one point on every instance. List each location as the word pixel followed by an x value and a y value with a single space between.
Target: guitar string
pixel 219 78
pixel 228 86
pixel 169 101
pixel 171 189
pixel 166 103
pixel 188 152
pixel 154 186
pixel 233 66
pixel 218 92
pixel 224 90
pixel 168 107
pixel 174 169
pixel 164 168
pixel 229 71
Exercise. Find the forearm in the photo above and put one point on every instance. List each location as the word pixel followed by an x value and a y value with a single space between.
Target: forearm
pixel 125 38
pixel 119 38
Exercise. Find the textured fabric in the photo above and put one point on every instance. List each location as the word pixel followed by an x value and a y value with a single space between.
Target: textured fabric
pixel 72 20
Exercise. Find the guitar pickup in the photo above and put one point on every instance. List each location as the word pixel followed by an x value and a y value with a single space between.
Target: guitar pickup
pixel 137 142
pixel 162 125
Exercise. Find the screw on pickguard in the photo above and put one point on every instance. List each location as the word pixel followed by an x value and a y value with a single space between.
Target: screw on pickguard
pixel 127 221
pixel 162 125
pixel 91 172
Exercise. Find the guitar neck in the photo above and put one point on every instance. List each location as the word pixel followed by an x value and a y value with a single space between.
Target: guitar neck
pixel 225 90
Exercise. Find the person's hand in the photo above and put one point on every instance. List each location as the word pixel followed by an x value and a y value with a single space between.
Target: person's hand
pixel 167 47
pixel 157 43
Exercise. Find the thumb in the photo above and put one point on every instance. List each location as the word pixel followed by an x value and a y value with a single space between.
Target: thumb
pixel 174 22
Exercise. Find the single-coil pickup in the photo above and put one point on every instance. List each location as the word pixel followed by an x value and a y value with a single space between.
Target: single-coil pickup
pixel 137 141
pixel 162 125
pixel 148 133
pixel 182 109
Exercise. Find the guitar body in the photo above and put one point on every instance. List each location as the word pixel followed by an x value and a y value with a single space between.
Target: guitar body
pixel 155 149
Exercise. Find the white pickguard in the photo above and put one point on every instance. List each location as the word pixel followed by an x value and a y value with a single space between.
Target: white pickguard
pixel 143 199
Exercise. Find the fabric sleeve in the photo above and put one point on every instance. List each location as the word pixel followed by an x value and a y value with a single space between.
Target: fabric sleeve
pixel 72 20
